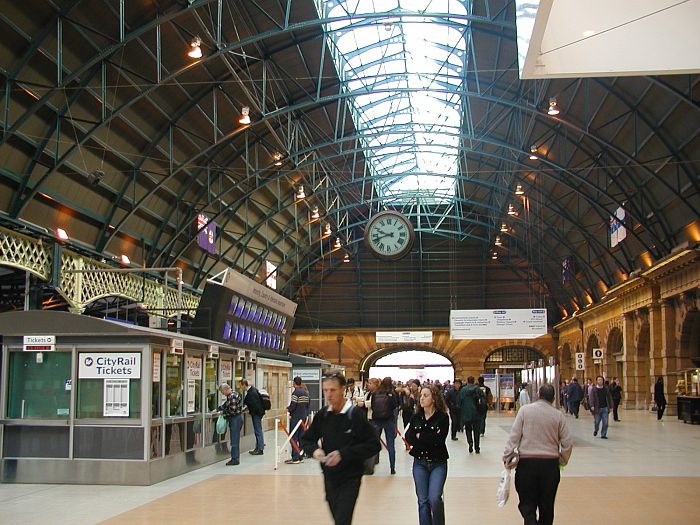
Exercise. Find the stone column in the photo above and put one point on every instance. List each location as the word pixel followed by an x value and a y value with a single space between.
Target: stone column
pixel 670 352
pixel 629 378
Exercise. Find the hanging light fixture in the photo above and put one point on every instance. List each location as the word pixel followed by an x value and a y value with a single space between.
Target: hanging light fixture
pixel 494 255
pixel 533 152
pixel 504 228
pixel 277 157
pixel 498 241
pixel 195 48
pixel 327 230
pixel 553 108
pixel 300 193
pixel 519 190
pixel 388 26
pixel 337 243
pixel 125 260
pixel 315 214
pixel 511 210
pixel 245 115
pixel 61 234
pixel 346 258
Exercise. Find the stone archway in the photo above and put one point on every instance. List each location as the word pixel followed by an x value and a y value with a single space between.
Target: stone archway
pixel 592 370
pixel 566 361
pixel 373 356
pixel 637 347
pixel 613 348
pixel 689 340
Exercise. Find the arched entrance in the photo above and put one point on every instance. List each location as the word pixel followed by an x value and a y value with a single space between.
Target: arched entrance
pixel 413 364
pixel 566 361
pixel 592 369
pixel 430 355
pixel 690 340
pixel 613 350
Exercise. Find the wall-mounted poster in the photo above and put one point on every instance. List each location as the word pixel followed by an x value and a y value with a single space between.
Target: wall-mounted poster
pixel 116 398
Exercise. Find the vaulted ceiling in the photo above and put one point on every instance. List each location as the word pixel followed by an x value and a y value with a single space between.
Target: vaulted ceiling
pixel 111 131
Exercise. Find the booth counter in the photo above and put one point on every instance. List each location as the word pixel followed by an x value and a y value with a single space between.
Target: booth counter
pixel 84 400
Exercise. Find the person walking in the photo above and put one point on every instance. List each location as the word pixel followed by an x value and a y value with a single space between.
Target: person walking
pixel 486 391
pixel 543 442
pixel 523 397
pixel 601 402
pixel 232 410
pixel 575 394
pixel 427 435
pixel 659 398
pixel 384 403
pixel 616 394
pixel 298 412
pixel 346 440
pixel 253 401
pixel 470 418
pixel 453 407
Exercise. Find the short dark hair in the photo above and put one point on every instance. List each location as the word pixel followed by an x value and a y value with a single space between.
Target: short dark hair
pixel 481 380
pixel 337 376
pixel 297 380
pixel 470 380
pixel 546 392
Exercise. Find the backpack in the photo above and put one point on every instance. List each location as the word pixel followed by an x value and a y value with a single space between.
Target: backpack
pixel 265 399
pixel 480 402
pixel 381 406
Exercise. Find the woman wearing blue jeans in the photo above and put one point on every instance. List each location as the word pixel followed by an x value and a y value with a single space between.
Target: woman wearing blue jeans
pixel 427 435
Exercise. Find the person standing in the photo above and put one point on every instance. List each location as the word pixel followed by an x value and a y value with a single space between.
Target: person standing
pixel 427 435
pixel 453 407
pixel 575 395
pixel 543 443
pixel 232 410
pixel 253 401
pixel 523 397
pixel 486 391
pixel 407 405
pixel 384 403
pixel 659 398
pixel 470 418
pixel 616 394
pixel 298 412
pixel 346 440
pixel 601 402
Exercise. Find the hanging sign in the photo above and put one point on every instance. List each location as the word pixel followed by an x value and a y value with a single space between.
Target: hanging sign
pixel 109 365
pixel 580 364
pixel 225 370
pixel 307 374
pixel 404 337
pixel 116 398
pixel 39 343
pixel 194 367
pixel 527 323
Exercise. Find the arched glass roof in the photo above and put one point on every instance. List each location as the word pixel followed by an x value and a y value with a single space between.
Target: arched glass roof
pixel 405 76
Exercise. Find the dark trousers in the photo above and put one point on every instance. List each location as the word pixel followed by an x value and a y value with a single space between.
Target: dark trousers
pixel 660 410
pixel 456 424
pixel 473 431
pixel 575 405
pixel 341 495
pixel 616 405
pixel 536 481
pixel 293 423
pixel 406 415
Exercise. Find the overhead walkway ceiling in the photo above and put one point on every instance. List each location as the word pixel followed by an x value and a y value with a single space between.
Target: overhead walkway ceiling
pixel 112 132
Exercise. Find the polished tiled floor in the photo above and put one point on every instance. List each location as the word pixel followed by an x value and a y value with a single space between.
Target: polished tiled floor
pixel 645 473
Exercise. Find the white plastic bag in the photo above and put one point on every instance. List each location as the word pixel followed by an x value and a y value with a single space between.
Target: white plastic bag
pixel 503 488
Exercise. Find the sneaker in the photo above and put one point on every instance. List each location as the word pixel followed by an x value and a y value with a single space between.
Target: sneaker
pixel 455 438
pixel 293 461
pixel 255 452
pixel 471 449
pixel 233 462
pixel 393 471
pixel 603 437
pixel 595 433
pixel 478 451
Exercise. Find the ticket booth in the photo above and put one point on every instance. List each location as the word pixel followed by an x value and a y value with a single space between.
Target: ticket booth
pixel 84 400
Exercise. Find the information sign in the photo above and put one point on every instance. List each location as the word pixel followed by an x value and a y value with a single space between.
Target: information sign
pixel 39 343
pixel 307 374
pixel 156 367
pixel 404 337
pixel 109 365
pixel 498 324
pixel 116 398
pixel 194 367
pixel 225 370
pixel 580 364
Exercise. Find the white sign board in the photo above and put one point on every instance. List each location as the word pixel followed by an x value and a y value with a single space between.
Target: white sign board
pixel 191 387
pixel 597 353
pixel 194 367
pixel 116 398
pixel 156 367
pixel 580 364
pixel 527 323
pixel 225 370
pixel 307 374
pixel 507 387
pixel 404 337
pixel 109 365
pixel 39 343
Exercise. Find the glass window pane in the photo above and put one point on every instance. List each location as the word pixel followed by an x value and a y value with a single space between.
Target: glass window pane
pixel 90 394
pixel 35 442
pixel 173 386
pixel 156 384
pixel 210 386
pixel 37 385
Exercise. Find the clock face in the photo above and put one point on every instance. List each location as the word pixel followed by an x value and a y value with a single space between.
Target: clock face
pixel 389 235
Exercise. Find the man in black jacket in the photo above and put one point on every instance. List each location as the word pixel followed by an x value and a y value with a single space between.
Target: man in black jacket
pixel 253 401
pixel 451 400
pixel 347 439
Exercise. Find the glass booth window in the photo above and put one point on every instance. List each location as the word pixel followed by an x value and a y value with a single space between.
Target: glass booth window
pixel 210 386
pixel 194 384
pixel 156 383
pixel 39 385
pixel 173 386
pixel 112 396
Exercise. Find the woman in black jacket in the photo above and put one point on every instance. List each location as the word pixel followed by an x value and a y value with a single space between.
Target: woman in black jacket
pixel 659 398
pixel 427 435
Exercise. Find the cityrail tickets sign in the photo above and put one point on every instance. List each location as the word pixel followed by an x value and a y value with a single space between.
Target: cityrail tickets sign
pixel 112 365
pixel 525 323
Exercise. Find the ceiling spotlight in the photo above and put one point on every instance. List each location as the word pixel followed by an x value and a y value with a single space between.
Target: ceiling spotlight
pixel 327 230
pixel 504 228
pixel 553 109
pixel 511 210
pixel 300 193
pixel 195 49
pixel 125 260
pixel 533 152
pixel 346 258
pixel 61 234
pixel 277 157
pixel 498 241
pixel 519 190
pixel 337 243
pixel 245 115
pixel 315 214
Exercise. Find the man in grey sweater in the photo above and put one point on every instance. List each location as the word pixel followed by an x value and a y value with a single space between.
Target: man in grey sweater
pixel 543 443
